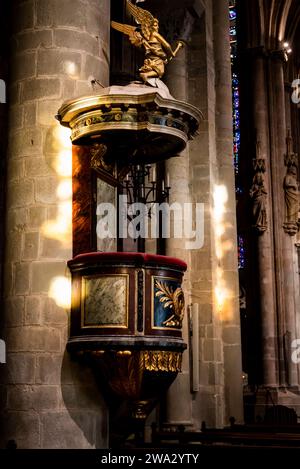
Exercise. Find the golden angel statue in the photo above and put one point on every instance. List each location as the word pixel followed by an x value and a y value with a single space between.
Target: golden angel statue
pixel 158 50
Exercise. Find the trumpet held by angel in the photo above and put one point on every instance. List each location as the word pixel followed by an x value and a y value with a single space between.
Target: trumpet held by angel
pixel 158 52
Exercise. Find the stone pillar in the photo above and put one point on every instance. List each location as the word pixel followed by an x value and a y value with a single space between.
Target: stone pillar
pixel 208 402
pixel 58 47
pixel 227 264
pixel 283 242
pixel 3 126
pixel 196 176
pixel 265 261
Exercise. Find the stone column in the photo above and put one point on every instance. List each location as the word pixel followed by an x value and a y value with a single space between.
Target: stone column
pixel 208 402
pixel 283 242
pixel 227 264
pixel 58 47
pixel 3 125
pixel 197 176
pixel 266 267
pixel 179 411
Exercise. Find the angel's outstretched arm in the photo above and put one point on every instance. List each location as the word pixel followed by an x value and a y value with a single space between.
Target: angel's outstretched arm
pixel 165 44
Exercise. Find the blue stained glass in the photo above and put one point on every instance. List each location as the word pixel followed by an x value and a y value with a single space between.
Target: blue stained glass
pixel 235 87
pixel 241 252
pixel 236 116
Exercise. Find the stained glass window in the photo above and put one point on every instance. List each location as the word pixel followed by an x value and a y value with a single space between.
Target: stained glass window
pixel 235 85
pixel 236 114
pixel 241 252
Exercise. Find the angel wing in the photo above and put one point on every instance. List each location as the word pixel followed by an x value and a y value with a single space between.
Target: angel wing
pixel 142 17
pixel 139 14
pixel 123 28
pixel 134 36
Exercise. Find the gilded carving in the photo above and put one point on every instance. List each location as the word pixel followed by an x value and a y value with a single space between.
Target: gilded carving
pixel 134 113
pixel 98 152
pixel 97 353
pixel 158 51
pixel 161 360
pixel 173 299
pixel 124 353
pixel 138 376
pixel 291 190
pixel 132 116
pixel 124 370
pixel 258 193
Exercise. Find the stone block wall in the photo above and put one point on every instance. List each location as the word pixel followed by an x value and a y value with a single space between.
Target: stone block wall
pixel 57 48
pixel 3 123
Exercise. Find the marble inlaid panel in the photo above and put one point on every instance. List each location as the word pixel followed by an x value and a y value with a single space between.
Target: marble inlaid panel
pixel 105 301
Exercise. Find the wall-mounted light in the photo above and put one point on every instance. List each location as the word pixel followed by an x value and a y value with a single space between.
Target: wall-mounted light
pixel 287 50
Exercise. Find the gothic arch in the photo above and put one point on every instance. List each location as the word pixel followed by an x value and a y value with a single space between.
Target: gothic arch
pixel 271 22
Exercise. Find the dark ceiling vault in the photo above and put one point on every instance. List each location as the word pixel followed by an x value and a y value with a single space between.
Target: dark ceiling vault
pixel 272 21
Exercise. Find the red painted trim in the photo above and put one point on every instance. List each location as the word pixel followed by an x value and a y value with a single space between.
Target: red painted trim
pixel 132 257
